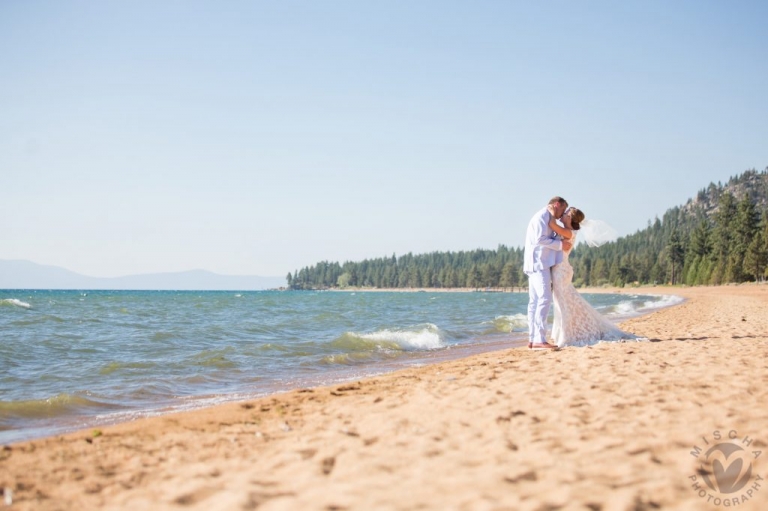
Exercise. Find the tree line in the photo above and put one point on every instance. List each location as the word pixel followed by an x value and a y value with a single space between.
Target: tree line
pixel 719 237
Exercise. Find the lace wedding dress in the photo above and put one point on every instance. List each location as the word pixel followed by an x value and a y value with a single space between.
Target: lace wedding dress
pixel 576 322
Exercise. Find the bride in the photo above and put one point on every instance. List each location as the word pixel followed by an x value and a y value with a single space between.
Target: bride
pixel 576 322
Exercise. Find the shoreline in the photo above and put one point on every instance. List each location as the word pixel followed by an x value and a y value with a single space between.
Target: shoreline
pixel 655 289
pixel 609 426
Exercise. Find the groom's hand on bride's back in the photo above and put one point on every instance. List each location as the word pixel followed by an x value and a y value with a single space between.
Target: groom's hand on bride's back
pixel 567 245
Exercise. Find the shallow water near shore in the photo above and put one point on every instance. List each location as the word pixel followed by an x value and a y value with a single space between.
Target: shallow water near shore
pixel 75 359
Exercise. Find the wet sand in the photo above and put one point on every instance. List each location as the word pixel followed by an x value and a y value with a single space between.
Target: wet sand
pixel 615 426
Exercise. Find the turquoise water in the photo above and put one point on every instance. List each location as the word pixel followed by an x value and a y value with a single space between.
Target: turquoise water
pixel 74 359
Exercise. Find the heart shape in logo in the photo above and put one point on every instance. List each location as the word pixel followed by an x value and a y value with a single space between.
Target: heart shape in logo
pixel 729 477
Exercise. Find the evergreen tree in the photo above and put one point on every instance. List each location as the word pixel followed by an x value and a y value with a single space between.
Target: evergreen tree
pixel 764 231
pixel 489 276
pixel 599 274
pixel 508 275
pixel 701 239
pixel 756 257
pixel 743 229
pixel 473 277
pixel 676 254
pixel 722 238
pixel 522 278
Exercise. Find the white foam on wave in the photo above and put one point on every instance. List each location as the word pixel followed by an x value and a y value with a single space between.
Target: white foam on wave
pixel 663 301
pixel 426 337
pixel 17 303
pixel 511 323
pixel 638 305
pixel 625 308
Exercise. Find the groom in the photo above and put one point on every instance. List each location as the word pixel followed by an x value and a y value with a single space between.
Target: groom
pixel 543 250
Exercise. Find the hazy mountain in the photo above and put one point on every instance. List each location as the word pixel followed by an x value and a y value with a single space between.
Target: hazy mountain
pixel 18 274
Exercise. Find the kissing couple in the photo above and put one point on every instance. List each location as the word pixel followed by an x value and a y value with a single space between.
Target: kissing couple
pixel 549 240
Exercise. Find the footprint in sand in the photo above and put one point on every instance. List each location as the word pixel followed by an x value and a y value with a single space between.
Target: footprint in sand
pixel 327 464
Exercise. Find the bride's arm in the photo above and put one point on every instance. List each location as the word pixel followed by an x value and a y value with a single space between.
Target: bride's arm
pixel 562 231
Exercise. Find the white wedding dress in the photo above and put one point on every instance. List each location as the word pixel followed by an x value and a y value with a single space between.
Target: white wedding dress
pixel 576 322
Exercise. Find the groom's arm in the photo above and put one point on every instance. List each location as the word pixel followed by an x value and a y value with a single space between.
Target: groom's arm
pixel 545 238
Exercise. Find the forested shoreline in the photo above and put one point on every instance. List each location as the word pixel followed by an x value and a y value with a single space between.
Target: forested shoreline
pixel 719 237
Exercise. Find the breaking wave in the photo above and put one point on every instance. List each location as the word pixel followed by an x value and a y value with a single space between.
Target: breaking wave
pixel 419 338
pixel 15 302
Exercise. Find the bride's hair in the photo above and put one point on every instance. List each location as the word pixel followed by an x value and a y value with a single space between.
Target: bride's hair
pixel 577 216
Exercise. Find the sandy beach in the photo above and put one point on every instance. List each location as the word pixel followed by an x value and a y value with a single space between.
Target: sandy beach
pixel 616 426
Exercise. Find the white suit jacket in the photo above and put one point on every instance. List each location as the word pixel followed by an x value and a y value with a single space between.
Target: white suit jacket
pixel 543 249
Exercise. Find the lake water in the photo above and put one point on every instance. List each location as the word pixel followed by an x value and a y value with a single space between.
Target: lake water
pixel 77 359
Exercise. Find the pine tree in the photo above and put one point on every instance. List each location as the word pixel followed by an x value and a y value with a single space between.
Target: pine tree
pixel 508 275
pixel 756 258
pixel 701 239
pixel 613 274
pixel 691 271
pixel 676 254
pixel 473 277
pixel 722 238
pixel 489 277
pixel 743 229
pixel 599 273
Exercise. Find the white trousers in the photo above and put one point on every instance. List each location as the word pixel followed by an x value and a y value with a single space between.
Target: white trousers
pixel 539 301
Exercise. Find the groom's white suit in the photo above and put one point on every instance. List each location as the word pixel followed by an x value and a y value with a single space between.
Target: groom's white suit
pixel 543 250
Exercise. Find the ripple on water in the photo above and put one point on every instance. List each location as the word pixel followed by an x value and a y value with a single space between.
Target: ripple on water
pixel 127 367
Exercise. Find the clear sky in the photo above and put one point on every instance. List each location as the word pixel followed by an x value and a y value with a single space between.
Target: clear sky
pixel 259 137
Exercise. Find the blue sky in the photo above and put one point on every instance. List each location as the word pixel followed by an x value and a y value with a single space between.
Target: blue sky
pixel 261 137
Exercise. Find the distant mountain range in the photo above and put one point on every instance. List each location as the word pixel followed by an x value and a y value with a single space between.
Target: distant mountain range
pixel 19 274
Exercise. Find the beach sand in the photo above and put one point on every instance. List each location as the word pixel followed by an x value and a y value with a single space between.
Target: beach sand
pixel 608 427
